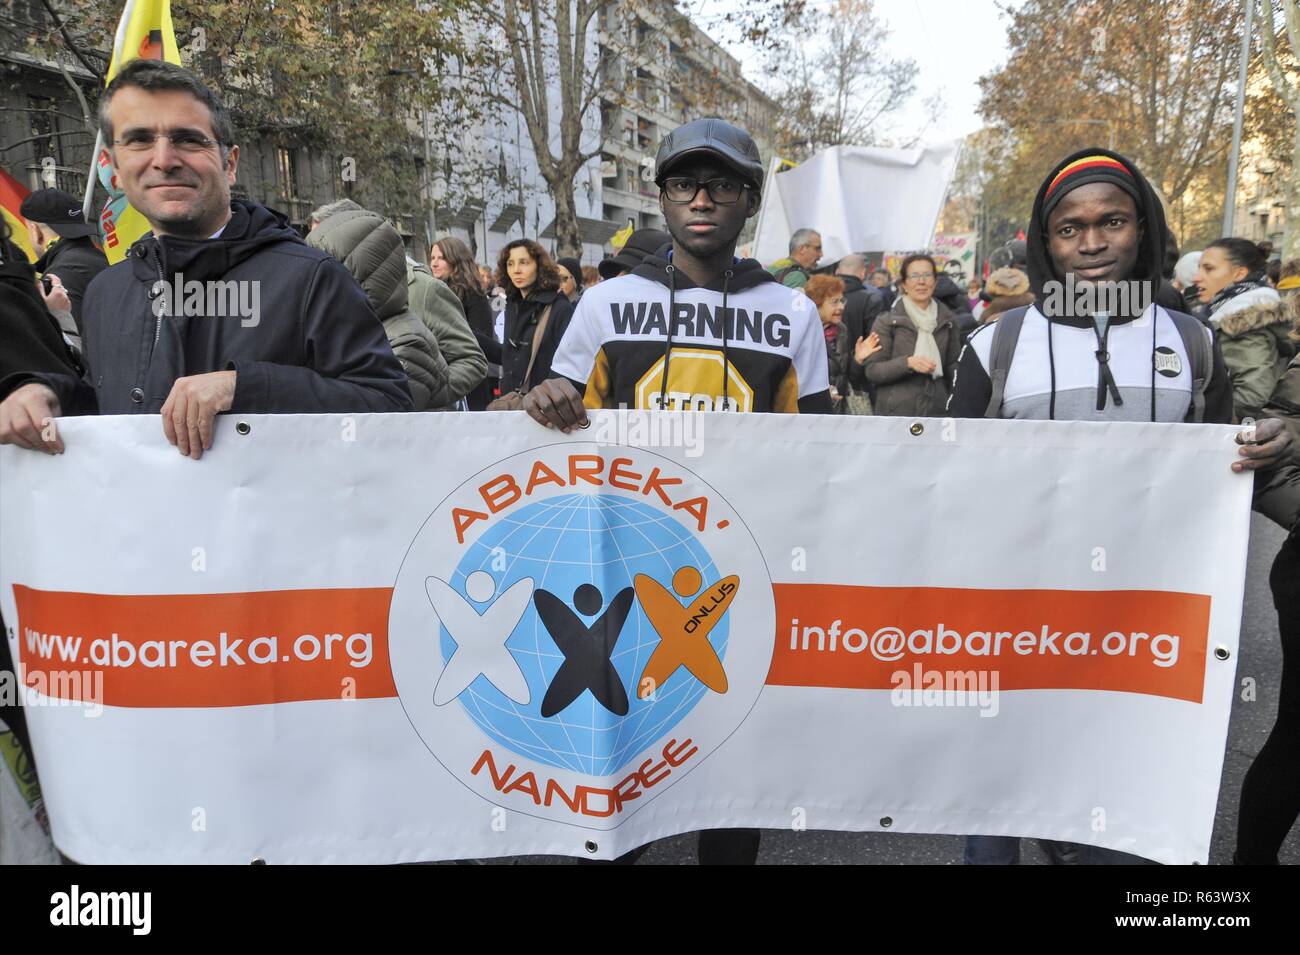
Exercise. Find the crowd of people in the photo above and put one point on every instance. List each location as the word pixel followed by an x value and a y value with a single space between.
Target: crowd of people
pixel 353 324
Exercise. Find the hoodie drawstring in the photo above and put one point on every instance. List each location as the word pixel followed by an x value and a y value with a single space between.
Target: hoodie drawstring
pixel 1051 365
pixel 1105 380
pixel 726 360
pixel 1154 317
pixel 668 346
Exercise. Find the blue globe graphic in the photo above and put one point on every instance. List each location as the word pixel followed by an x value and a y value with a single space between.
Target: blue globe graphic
pixel 561 543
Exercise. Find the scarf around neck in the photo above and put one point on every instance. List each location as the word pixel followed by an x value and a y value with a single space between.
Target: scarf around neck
pixel 1248 284
pixel 926 320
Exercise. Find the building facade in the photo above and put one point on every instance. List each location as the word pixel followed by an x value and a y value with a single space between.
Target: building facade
pixel 481 180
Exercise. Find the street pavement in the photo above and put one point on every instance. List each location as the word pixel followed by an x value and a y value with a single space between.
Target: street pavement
pixel 1260 657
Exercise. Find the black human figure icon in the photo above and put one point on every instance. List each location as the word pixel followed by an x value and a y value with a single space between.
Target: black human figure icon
pixel 587 649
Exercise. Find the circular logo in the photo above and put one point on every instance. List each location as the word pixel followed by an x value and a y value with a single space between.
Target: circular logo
pixel 576 627
pixel 1168 363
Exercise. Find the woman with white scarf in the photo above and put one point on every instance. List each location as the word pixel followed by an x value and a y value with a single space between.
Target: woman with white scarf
pixel 919 345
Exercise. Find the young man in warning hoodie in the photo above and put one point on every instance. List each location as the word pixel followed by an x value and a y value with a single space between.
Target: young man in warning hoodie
pixel 737 340
pixel 1095 347
pixel 693 327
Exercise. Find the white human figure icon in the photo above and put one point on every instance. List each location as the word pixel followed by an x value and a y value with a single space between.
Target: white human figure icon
pixel 480 637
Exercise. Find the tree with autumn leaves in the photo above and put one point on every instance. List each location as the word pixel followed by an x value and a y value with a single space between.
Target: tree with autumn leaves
pixel 348 79
pixel 1153 78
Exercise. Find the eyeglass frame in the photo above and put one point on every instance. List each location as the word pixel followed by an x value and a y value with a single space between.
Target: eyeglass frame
pixel 705 184
pixel 200 140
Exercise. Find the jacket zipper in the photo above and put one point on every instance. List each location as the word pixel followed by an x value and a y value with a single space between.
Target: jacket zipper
pixel 157 327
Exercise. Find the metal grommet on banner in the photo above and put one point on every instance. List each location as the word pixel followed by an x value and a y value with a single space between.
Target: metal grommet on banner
pixel 886 822
pixel 585 424
pixel 258 861
pixel 917 428
pixel 591 846
pixel 243 427
pixel 1221 652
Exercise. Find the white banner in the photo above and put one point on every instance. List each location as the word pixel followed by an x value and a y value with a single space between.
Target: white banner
pixel 386 638
pixel 860 199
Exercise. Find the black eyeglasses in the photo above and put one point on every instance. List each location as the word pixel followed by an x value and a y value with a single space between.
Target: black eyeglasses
pixel 182 140
pixel 722 191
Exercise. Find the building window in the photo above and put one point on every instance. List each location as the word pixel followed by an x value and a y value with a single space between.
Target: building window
pixel 43 128
pixel 286 172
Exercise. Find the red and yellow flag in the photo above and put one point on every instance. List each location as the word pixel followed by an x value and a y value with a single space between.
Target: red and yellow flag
pixel 12 194
pixel 144 32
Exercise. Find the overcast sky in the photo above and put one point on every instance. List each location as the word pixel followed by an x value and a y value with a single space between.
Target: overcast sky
pixel 953 42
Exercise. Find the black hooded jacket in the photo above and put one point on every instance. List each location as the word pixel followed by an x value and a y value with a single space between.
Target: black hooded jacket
pixel 953 296
pixel 862 303
pixel 972 389
pixel 313 344
pixel 622 350
pixel 76 262
pixel 29 338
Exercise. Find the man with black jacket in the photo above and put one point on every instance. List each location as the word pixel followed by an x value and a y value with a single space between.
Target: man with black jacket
pixel 223 308
pixel 60 234
pixel 862 303
pixel 29 341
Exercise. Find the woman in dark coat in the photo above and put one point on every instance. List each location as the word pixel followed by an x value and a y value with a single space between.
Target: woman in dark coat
pixel 532 283
pixel 919 345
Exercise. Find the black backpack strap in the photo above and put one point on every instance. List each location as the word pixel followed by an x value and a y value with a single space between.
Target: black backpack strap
pixel 1197 346
pixel 1006 333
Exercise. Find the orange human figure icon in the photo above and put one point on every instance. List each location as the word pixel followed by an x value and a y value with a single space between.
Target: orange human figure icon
pixel 684 630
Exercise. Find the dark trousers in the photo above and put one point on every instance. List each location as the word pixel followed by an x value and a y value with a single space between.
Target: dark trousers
pixel 1270 796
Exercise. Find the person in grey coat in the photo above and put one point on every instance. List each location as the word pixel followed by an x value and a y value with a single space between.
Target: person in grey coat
pixel 440 310
pixel 372 250
pixel 920 343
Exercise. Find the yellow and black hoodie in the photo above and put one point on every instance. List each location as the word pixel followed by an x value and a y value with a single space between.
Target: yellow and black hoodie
pixel 620 349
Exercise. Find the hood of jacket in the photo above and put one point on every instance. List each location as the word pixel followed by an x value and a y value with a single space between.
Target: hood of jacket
pixel 1151 244
pixel 1256 316
pixel 743 274
pixel 951 294
pixel 372 250
pixel 1248 301
pixel 851 283
pixel 251 228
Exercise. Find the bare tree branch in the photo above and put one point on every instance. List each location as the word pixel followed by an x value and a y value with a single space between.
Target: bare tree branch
pixel 73 48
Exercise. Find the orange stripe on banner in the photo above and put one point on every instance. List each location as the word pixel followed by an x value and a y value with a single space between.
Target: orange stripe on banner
pixel 1139 641
pixel 278 646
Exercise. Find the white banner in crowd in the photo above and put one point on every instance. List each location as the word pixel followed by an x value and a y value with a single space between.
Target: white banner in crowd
pixel 860 199
pixel 386 638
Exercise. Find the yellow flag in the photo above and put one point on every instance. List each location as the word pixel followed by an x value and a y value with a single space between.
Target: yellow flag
pixel 144 32
pixel 619 238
